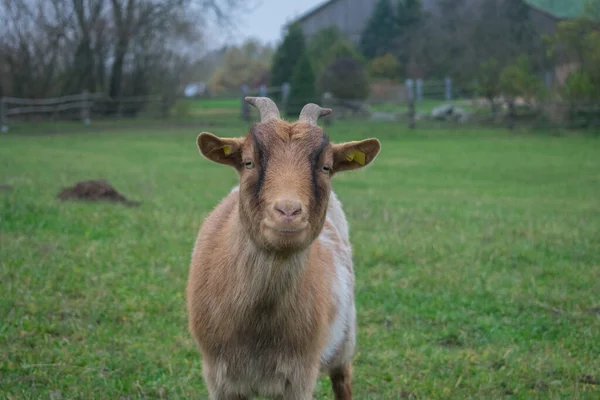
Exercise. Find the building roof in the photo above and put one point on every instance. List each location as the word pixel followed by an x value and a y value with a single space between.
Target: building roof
pixel 560 9
pixel 314 10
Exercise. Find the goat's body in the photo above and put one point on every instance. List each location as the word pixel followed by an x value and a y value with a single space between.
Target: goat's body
pixel 267 324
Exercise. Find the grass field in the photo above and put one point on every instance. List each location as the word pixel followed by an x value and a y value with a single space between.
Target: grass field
pixel 477 260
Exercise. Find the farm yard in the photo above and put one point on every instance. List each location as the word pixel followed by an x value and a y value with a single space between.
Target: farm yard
pixel 475 232
pixel 477 258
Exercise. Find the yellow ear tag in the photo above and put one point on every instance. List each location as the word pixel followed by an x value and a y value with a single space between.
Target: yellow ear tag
pixel 356 155
pixel 227 149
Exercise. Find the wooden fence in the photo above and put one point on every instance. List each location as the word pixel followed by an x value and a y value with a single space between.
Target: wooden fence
pixel 282 92
pixel 80 103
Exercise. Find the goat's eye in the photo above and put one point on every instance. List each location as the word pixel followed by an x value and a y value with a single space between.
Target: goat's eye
pixel 326 169
pixel 249 164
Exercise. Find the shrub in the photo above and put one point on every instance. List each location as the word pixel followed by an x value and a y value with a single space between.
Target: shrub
pixel 580 86
pixel 385 67
pixel 346 79
pixel 518 79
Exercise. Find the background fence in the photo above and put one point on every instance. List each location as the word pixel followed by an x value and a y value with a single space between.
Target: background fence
pixel 415 103
pixel 83 107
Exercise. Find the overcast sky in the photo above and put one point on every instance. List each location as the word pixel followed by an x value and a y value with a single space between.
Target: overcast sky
pixel 267 19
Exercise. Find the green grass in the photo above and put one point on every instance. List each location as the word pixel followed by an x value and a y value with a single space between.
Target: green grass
pixel 227 107
pixel 477 260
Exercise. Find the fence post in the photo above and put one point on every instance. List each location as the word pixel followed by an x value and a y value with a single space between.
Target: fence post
pixel 411 103
pixel 285 96
pixel 327 103
pixel 548 80
pixel 85 111
pixel 119 107
pixel 510 118
pixel 245 106
pixel 448 87
pixel 164 104
pixel 419 90
pixel 3 122
pixel 262 91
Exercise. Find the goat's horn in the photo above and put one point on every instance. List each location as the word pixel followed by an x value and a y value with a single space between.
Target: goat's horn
pixel 311 113
pixel 266 107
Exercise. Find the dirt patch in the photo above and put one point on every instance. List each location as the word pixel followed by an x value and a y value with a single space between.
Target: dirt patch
pixel 94 190
pixel 450 341
pixel 540 386
pixel 590 380
pixel 5 187
pixel 595 311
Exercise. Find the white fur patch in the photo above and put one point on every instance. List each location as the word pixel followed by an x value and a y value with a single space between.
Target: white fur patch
pixel 337 239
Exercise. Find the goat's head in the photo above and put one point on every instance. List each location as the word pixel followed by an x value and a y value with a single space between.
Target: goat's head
pixel 285 172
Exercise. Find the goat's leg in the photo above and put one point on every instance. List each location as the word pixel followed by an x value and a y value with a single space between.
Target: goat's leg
pixel 217 389
pixel 303 386
pixel 341 382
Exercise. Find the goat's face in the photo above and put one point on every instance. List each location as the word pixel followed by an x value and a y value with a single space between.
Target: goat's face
pixel 285 172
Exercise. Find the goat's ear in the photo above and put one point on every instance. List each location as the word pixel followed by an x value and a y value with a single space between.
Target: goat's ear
pixel 226 151
pixel 354 155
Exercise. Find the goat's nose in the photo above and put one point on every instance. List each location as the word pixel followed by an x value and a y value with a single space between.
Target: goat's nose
pixel 288 208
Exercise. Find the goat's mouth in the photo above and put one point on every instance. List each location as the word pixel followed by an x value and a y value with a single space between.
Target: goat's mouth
pixel 290 231
pixel 285 231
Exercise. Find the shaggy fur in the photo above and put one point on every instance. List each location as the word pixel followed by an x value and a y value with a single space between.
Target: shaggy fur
pixel 270 291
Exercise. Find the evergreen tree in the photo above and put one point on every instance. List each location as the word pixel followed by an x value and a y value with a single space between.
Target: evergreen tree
pixel 522 36
pixel 303 88
pixel 345 78
pixel 328 45
pixel 412 13
pixel 287 56
pixel 518 13
pixel 409 18
pixel 381 30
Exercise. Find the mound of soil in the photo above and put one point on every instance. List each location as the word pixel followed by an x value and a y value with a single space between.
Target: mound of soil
pixel 94 190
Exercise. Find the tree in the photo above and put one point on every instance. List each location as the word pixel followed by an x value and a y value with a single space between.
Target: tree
pixel 577 43
pixel 409 17
pixel 443 42
pixel 380 31
pixel 56 47
pixel 385 67
pixel 303 86
pixel 521 32
pixel 321 42
pixel 328 45
pixel 519 80
pixel 488 81
pixel 242 65
pixel 288 55
pixel 346 79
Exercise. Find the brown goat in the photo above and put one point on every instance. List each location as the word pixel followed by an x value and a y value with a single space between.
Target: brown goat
pixel 270 295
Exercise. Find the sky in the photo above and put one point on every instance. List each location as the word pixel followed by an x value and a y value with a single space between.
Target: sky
pixel 266 20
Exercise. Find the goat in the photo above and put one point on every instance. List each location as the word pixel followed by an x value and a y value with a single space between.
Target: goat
pixel 270 293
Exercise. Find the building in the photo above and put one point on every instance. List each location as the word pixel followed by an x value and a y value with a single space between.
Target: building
pixel 351 16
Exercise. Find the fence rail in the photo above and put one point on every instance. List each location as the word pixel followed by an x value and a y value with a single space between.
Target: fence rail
pixel 414 103
pixel 46 109
pixel 84 102
pixel 51 101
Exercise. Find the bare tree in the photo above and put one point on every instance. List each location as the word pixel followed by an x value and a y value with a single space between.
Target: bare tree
pixel 83 71
pixel 121 46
